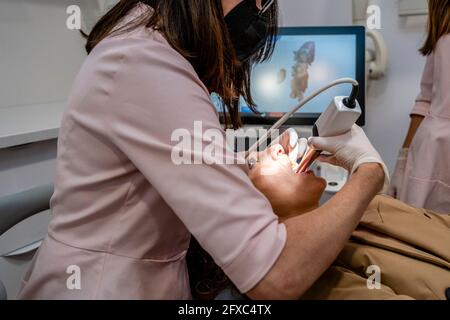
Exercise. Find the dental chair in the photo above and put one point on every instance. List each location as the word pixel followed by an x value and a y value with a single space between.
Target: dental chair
pixel 20 206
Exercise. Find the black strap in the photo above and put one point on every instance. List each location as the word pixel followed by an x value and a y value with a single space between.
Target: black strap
pixel 447 294
pixel 151 3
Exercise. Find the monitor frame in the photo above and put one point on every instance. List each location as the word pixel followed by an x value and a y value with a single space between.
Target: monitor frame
pixel 308 119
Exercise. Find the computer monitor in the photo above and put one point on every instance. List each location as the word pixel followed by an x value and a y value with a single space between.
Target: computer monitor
pixel 306 59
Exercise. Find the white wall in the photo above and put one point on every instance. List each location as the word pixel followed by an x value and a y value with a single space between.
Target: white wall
pixel 39 55
pixel 389 99
pixel 315 13
pixel 39 58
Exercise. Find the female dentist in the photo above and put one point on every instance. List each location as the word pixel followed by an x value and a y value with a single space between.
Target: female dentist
pixel 124 212
pixel 422 174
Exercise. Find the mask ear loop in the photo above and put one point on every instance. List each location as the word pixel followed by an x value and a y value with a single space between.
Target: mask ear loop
pixel 266 7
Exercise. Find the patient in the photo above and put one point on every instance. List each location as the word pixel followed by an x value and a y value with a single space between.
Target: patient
pixel 295 192
pixel 409 247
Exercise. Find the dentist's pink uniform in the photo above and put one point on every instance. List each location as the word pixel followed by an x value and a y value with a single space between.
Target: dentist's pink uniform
pixel 426 182
pixel 123 213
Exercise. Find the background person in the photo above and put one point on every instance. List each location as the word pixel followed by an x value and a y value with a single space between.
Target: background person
pixel 422 174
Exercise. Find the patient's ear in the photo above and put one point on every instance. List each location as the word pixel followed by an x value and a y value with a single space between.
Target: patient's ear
pixel 276 151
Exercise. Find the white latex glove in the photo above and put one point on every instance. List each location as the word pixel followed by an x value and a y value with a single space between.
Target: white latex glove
pixel 399 172
pixel 350 151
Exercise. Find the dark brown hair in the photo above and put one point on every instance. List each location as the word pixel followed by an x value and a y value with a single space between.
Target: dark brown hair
pixel 438 24
pixel 197 30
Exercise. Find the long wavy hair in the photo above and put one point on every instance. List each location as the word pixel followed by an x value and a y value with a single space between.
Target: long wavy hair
pixel 197 30
pixel 438 24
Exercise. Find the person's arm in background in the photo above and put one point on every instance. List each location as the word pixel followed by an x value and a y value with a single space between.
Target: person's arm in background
pixel 414 124
pixel 418 113
pixel 315 239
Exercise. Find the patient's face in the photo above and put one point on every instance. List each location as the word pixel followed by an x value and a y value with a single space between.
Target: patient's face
pixel 288 192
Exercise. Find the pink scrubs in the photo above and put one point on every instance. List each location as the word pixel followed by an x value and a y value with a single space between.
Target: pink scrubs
pixel 123 213
pixel 426 182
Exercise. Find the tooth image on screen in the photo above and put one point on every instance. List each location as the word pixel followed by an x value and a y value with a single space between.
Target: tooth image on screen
pixel 301 64
pixel 303 58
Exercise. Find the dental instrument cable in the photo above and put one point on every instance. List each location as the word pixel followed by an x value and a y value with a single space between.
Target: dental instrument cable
pixel 350 101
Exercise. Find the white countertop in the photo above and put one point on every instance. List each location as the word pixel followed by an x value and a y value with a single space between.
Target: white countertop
pixel 31 123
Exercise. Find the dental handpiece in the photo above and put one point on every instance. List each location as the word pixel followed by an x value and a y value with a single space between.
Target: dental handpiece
pixel 310 156
pixel 338 118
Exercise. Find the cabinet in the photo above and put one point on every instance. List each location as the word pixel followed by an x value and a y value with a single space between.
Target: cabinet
pixel 412 7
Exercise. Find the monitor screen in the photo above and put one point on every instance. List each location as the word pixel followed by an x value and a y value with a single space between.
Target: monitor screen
pixel 304 60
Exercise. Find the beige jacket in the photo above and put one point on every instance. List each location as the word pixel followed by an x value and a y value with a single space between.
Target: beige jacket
pixel 410 246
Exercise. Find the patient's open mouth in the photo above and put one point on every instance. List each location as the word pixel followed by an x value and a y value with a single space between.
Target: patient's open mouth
pixel 307 173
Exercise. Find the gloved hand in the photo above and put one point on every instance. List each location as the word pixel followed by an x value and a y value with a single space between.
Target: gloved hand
pixel 399 172
pixel 349 151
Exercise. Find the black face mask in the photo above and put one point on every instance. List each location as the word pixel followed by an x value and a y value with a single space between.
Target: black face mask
pixel 248 27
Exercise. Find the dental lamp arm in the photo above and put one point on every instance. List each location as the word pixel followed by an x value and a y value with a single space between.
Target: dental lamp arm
pixel 315 239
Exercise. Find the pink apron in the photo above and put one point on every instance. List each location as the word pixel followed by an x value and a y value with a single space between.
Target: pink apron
pixel 426 183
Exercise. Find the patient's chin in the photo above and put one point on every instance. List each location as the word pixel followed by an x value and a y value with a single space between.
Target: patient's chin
pixel 316 187
pixel 322 184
